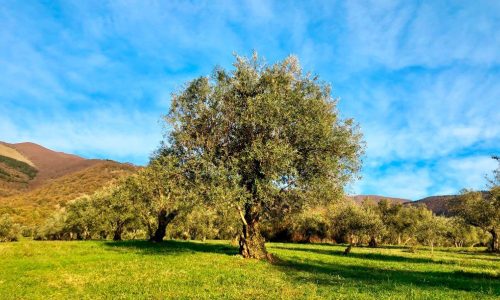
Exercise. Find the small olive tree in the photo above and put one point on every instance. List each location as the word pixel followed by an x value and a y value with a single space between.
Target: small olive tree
pixel 261 135
pixel 160 192
pixel 357 222
pixel 9 231
pixel 431 229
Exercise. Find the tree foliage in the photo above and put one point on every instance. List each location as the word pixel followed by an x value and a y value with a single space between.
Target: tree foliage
pixel 481 209
pixel 263 134
pixel 9 231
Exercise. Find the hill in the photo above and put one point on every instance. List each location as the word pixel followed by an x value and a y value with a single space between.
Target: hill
pixel 15 175
pixel 36 181
pixel 8 151
pixel 49 164
pixel 438 204
pixel 376 199
pixel 32 207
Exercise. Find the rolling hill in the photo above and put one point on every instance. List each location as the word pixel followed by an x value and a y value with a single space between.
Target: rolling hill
pixel 33 207
pixel 36 181
pixel 49 164
pixel 376 199
pixel 437 204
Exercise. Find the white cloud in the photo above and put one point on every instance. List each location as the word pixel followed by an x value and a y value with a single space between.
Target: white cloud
pixel 112 133
pixel 421 78
pixel 405 182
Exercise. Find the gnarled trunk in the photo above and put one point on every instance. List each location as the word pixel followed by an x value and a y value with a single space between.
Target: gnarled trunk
pixel 163 220
pixel 252 243
pixel 495 243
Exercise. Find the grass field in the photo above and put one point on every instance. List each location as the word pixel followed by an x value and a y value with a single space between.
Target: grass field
pixel 178 269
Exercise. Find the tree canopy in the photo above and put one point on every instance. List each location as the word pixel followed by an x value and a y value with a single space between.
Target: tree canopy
pixel 260 136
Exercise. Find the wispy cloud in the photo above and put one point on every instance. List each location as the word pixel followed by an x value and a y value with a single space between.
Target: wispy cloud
pixel 423 79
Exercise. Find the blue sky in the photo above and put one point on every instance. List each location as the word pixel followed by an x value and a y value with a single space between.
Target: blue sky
pixel 421 77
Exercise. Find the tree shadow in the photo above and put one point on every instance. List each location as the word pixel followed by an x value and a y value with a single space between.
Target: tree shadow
pixel 171 247
pixel 331 274
pixel 370 256
pixel 322 273
pixel 482 255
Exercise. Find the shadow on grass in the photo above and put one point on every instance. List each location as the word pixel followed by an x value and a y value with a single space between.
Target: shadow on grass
pixel 332 274
pixel 481 255
pixel 370 256
pixel 172 247
pixel 322 273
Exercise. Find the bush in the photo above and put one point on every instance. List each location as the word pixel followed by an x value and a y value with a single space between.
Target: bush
pixel 310 226
pixel 205 223
pixel 52 229
pixel 9 231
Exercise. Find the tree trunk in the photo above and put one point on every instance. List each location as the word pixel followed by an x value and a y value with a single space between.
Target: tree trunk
pixel 494 244
pixel 117 236
pixel 349 247
pixel 407 240
pixel 252 243
pixel 163 220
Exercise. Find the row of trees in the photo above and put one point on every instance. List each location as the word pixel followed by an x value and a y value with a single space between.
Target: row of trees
pixel 141 206
pixel 106 215
pixel 385 223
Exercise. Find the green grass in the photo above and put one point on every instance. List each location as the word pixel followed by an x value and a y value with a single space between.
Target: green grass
pixel 178 269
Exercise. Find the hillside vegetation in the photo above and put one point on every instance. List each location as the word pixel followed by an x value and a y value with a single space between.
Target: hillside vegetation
pixel 15 175
pixel 50 164
pixel 212 270
pixel 14 154
pixel 35 181
pixel 33 207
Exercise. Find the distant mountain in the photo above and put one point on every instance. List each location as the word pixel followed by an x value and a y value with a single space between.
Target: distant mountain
pixel 16 171
pixel 438 204
pixel 36 181
pixel 376 199
pixel 49 164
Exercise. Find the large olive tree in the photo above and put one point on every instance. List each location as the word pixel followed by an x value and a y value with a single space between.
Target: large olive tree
pixel 260 136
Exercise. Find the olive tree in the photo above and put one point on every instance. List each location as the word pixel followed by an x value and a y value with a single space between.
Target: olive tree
pixel 9 231
pixel 431 229
pixel 116 209
pixel 159 192
pixel 481 210
pixel 260 135
pixel 357 222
